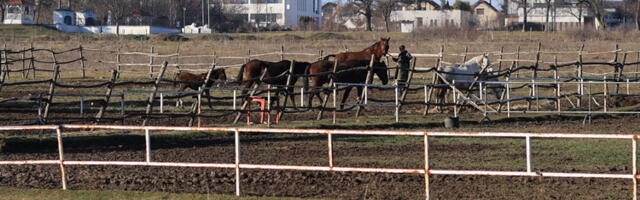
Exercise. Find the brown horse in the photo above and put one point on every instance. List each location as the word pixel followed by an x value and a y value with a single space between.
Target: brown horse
pixel 345 74
pixel 378 49
pixel 251 71
pixel 195 81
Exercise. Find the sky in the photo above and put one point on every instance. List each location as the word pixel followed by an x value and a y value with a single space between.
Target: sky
pixel 495 3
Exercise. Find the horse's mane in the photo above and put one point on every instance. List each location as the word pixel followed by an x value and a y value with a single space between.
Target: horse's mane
pixel 373 46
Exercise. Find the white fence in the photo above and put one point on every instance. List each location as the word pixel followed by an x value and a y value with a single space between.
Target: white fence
pixel 238 165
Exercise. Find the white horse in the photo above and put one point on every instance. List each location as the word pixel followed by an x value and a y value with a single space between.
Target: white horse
pixel 462 76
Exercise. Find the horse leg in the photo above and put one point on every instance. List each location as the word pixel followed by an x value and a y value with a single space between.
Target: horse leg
pixel 345 95
pixel 208 94
pixel 290 91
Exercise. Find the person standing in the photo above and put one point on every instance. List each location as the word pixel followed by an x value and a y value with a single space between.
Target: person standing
pixel 403 60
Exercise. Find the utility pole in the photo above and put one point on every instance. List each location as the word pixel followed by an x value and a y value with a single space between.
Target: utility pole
pixel 202 1
pixel 638 15
pixel 524 25
pixel 208 14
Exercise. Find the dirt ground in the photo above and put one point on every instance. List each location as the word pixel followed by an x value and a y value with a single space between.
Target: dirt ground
pixel 311 150
pixel 308 150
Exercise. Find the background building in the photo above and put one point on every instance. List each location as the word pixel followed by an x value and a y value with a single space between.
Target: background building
pixel 411 20
pixel 264 13
pixel 18 12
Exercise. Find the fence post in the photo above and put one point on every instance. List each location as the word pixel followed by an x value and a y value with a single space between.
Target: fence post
pixel 556 77
pixel 619 74
pixel 433 82
pixel 405 89
pixel 153 94
pixel 32 60
pixel 52 87
pixel 534 76
pixel 634 164
pixel 151 56
pixel 147 144
pixel 5 61
pixel 82 62
pixel 368 80
pixel 118 60
pixel 579 74
pixel 253 92
pixel 282 52
pixel 237 160
pixel 464 56
pixel 500 58
pixel 426 165
pixel 606 94
pixel 289 88
pixel 515 63
pixel 196 109
pixel 24 63
pixel 63 176
pixel 326 96
pixel 107 96
pixel 637 63
pixel 335 103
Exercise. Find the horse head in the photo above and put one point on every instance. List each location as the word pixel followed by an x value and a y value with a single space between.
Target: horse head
pixel 217 76
pixel 383 47
pixel 485 61
pixel 380 68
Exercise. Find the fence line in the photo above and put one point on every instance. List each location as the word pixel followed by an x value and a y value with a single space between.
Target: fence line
pixel 330 167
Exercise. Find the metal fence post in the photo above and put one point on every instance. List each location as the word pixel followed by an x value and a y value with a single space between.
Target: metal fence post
pixel 426 165
pixel 63 176
pixel 634 163
pixel 237 161
pixel 528 146
pixel 147 139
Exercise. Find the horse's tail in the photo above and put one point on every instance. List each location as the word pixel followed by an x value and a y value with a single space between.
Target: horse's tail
pixel 175 79
pixel 241 73
pixel 306 77
pixel 328 56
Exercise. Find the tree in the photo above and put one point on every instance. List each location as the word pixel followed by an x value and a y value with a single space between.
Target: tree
pixel 597 8
pixel 385 7
pixel 462 5
pixel 365 8
pixel 638 15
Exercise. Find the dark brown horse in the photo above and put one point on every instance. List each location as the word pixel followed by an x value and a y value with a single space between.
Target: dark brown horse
pixel 275 73
pixel 195 81
pixel 345 74
pixel 378 49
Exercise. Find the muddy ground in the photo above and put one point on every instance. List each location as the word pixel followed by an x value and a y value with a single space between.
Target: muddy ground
pixel 307 150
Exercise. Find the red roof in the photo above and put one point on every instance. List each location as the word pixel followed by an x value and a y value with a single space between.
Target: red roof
pixel 138 13
pixel 18 2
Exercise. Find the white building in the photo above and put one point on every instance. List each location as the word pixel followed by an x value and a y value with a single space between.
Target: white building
pixel 416 19
pixel 265 13
pixel 18 12
pixel 563 14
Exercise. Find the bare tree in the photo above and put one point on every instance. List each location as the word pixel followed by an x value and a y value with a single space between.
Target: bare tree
pixel 597 8
pixel 365 8
pixel 384 8
pixel 638 15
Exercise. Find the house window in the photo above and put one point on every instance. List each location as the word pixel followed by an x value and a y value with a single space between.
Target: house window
pixel 419 21
pixel 480 11
pixel 435 22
